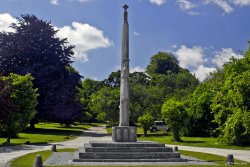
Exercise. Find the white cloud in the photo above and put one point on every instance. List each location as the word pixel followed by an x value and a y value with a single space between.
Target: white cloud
pixel 223 4
pixel 158 2
pixel 190 57
pixel 202 72
pixel 241 2
pixel 54 2
pixel 137 69
pixel 5 21
pixel 85 38
pixel 221 57
pixel 136 33
pixel 187 7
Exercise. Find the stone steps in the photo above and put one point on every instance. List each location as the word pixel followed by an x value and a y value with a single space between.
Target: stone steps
pixel 126 152
pixel 129 155
pixel 131 160
pixel 125 149
pixel 124 144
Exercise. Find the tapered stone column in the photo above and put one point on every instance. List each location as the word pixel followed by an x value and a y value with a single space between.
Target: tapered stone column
pixel 124 133
pixel 124 90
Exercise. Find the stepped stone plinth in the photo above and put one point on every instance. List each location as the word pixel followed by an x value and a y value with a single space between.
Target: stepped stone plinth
pixel 97 151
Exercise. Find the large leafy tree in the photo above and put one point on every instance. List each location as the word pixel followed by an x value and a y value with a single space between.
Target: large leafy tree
pixel 34 48
pixel 105 103
pixel 18 101
pixel 163 63
pixel 175 115
pixel 231 105
pixel 167 75
pixel 88 89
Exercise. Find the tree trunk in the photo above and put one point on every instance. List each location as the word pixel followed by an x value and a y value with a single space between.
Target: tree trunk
pixel 176 135
pixel 33 121
pixel 32 125
pixel 144 131
pixel 8 139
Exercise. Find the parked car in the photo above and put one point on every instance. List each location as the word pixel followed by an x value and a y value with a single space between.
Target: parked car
pixel 159 125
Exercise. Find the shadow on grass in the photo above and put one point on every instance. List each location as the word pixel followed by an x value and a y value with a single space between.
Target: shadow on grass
pixel 52 131
pixel 192 142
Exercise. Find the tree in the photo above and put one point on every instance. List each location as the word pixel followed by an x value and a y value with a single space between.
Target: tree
pixel 144 99
pixel 18 101
pixel 201 116
pixel 237 129
pixel 34 48
pixel 106 103
pixel 145 121
pixel 166 74
pixel 89 87
pixel 163 63
pixel 113 80
pixel 175 116
pixel 230 104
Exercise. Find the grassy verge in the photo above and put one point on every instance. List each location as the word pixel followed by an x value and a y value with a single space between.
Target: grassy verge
pixel 210 157
pixel 166 138
pixel 192 141
pixel 27 160
pixel 48 133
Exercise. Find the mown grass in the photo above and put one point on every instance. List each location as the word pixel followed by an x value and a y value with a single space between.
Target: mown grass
pixel 48 133
pixel 192 141
pixel 166 138
pixel 210 157
pixel 27 160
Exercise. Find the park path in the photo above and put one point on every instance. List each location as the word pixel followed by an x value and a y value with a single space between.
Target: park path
pixel 100 133
pixel 94 133
pixel 243 155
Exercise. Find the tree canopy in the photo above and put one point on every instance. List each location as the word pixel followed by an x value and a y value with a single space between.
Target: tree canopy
pixel 34 48
pixel 18 100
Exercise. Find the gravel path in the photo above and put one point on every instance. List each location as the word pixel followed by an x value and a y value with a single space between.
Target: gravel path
pixel 100 133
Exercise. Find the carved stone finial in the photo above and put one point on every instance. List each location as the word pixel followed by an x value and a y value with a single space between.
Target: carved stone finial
pixel 125 7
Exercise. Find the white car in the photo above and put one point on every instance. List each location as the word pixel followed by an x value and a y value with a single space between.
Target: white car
pixel 159 125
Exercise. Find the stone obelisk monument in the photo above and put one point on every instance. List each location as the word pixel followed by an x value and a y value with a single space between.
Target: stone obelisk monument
pixel 124 132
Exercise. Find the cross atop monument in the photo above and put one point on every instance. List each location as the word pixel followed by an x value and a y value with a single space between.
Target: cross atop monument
pixel 125 7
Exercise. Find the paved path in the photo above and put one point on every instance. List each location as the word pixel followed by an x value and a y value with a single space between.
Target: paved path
pixel 100 133
pixel 12 152
pixel 243 155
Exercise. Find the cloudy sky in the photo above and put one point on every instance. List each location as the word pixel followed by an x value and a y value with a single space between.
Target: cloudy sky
pixel 202 34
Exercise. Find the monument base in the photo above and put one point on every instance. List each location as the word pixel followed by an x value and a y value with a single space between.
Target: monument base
pixel 124 134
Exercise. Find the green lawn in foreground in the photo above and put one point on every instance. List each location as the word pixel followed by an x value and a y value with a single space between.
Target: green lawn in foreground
pixel 48 133
pixel 27 160
pixel 167 138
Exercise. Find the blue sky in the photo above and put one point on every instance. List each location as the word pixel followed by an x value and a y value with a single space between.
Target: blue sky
pixel 202 34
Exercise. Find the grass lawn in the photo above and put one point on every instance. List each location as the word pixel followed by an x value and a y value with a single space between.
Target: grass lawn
pixel 48 133
pixel 166 138
pixel 27 160
pixel 192 141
